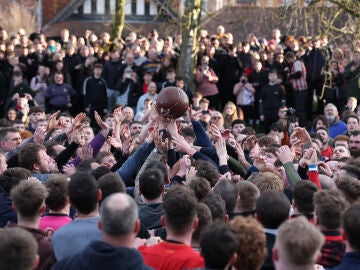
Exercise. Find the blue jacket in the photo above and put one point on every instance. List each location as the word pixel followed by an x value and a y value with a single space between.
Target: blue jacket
pixel 337 128
pixel 351 260
pixel 134 162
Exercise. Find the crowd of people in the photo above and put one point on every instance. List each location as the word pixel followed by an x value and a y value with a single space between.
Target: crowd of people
pixel 261 172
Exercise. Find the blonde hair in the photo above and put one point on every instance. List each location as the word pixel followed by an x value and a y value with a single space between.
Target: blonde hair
pixel 269 180
pixel 228 119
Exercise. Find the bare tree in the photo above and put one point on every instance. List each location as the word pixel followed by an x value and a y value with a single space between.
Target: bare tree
pixel 119 18
pixel 190 22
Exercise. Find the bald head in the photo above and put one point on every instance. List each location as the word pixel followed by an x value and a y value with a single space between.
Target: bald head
pixel 118 214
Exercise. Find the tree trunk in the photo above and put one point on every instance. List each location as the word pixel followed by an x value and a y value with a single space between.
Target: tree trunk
pixel 119 19
pixel 190 22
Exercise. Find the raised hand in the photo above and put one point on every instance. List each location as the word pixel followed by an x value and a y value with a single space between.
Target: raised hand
pixel 220 147
pixel 115 142
pixel 182 145
pixel 194 115
pixel 53 122
pixel 86 152
pixel 324 168
pixel 39 135
pixel 236 178
pixel 104 127
pixel 310 156
pixel 190 175
pixel 69 169
pixel 184 165
pixel 100 122
pixel 118 116
pixel 160 145
pixel 300 134
pixel 250 142
pixel 172 128
pixel 284 154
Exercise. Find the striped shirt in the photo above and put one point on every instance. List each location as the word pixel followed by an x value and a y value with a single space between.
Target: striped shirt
pixel 300 83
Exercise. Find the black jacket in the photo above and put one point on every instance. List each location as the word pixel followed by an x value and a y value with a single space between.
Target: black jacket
pixel 112 72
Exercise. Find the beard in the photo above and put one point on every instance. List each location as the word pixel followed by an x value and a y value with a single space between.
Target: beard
pixel 355 152
pixel 330 118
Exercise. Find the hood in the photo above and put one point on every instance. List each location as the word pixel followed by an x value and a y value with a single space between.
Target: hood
pixel 100 255
pixel 150 214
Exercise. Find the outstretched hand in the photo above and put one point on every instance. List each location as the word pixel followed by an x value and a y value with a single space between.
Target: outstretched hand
pixel 300 134
pixel 104 127
pixel 53 122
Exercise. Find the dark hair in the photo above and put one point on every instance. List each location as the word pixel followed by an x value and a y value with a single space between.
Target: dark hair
pixel 303 194
pixel 50 148
pixel 349 187
pixel 207 170
pixel 188 131
pixel 228 191
pixel 317 136
pixel 4 132
pixel 351 170
pixel 323 128
pixel 110 183
pixel 205 219
pixel 353 116
pixel 29 155
pixel 151 183
pixel 100 171
pixel 200 186
pixel 266 141
pixel 351 225
pixel 7 183
pixel 83 192
pixel 56 186
pixel 237 121
pixel 289 54
pixel 18 249
pixel 216 205
pixel 248 131
pixel 330 206
pixel 101 155
pixel 355 133
pixel 11 177
pixel 85 165
pixel 158 164
pixel 180 209
pixel 17 172
pixel 218 244
pixel 272 208
pixel 273 70
pixel 322 118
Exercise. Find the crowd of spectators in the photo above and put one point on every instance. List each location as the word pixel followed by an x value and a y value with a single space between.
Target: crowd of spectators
pixel 261 172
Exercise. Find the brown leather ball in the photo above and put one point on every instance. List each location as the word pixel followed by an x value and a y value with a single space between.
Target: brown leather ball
pixel 172 102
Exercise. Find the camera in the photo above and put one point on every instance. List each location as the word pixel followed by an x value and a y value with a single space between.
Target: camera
pixel 243 81
pixel 290 112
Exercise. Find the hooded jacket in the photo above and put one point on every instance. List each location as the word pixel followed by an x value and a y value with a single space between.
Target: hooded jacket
pixel 150 214
pixel 100 255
